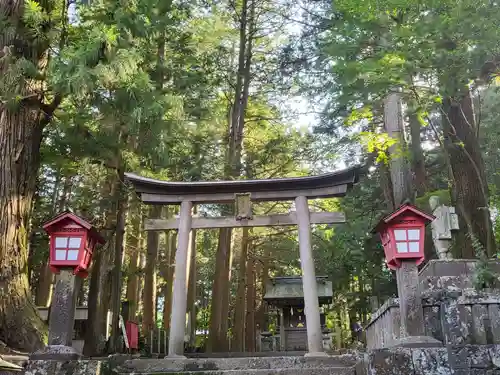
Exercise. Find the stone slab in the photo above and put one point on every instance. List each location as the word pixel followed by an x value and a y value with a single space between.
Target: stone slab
pixel 228 364
pixel 287 371
pixel 390 362
pixel 417 342
pixel 89 367
pixel 445 267
pixel 56 353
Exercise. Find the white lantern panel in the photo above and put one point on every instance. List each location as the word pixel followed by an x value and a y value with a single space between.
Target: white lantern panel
pixel 73 255
pixel 60 254
pixel 402 247
pixel 414 247
pixel 413 234
pixel 400 234
pixel 75 242
pixel 61 242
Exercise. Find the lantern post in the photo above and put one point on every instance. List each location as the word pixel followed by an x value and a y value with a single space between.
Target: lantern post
pixel 403 235
pixel 72 243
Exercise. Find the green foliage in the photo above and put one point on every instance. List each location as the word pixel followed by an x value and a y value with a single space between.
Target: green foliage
pixel 484 276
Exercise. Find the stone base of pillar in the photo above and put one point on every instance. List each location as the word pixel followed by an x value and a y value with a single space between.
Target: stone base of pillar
pixel 56 353
pixel 316 355
pixel 176 356
pixel 416 342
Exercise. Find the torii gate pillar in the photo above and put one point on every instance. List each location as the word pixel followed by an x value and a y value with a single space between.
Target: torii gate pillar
pixel 179 294
pixel 311 303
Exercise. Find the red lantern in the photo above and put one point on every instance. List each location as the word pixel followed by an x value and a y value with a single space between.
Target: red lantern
pixel 403 235
pixel 72 243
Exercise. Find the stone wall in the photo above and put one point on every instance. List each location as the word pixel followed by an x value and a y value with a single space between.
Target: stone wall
pixel 452 360
pixel 454 313
pixel 467 317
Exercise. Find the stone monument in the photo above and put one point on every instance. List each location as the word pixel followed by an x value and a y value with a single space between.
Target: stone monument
pixel 446 221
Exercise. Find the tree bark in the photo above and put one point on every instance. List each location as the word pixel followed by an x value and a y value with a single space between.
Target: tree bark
pixel 417 157
pixel 44 287
pixel 386 185
pixel 399 169
pixel 469 188
pixel 218 290
pixel 226 298
pixel 220 294
pixel 149 301
pixel 134 249
pixel 99 289
pixel 250 319
pixel 116 289
pixel 240 305
pixel 20 136
pixel 262 319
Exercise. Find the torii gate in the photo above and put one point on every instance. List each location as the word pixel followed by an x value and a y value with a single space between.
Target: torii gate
pixel 242 192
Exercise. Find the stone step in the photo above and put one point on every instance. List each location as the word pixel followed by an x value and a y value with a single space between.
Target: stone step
pixel 276 371
pixel 246 354
pixel 169 365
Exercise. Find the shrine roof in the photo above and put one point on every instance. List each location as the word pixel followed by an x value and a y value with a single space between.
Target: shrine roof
pixel 405 208
pixel 334 184
pixel 65 216
pixel 281 290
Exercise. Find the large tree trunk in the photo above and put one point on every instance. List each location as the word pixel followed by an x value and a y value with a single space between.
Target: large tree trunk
pixel 386 186
pixel 240 305
pixel 149 301
pixel 469 189
pixel 20 136
pixel 220 293
pixel 134 249
pixel 250 319
pixel 116 288
pixel 43 290
pixel 216 341
pixel 262 320
pixel 100 279
pixel 399 167
pixel 417 157
pixel 43 294
pixel 226 298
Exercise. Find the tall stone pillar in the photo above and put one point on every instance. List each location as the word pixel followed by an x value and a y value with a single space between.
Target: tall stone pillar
pixel 62 318
pixel 311 308
pixel 411 309
pixel 410 299
pixel 179 294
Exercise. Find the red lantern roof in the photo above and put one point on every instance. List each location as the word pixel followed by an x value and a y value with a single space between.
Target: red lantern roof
pixel 55 223
pixel 403 209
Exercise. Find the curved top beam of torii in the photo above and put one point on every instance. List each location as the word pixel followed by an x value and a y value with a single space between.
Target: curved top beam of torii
pixel 334 184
